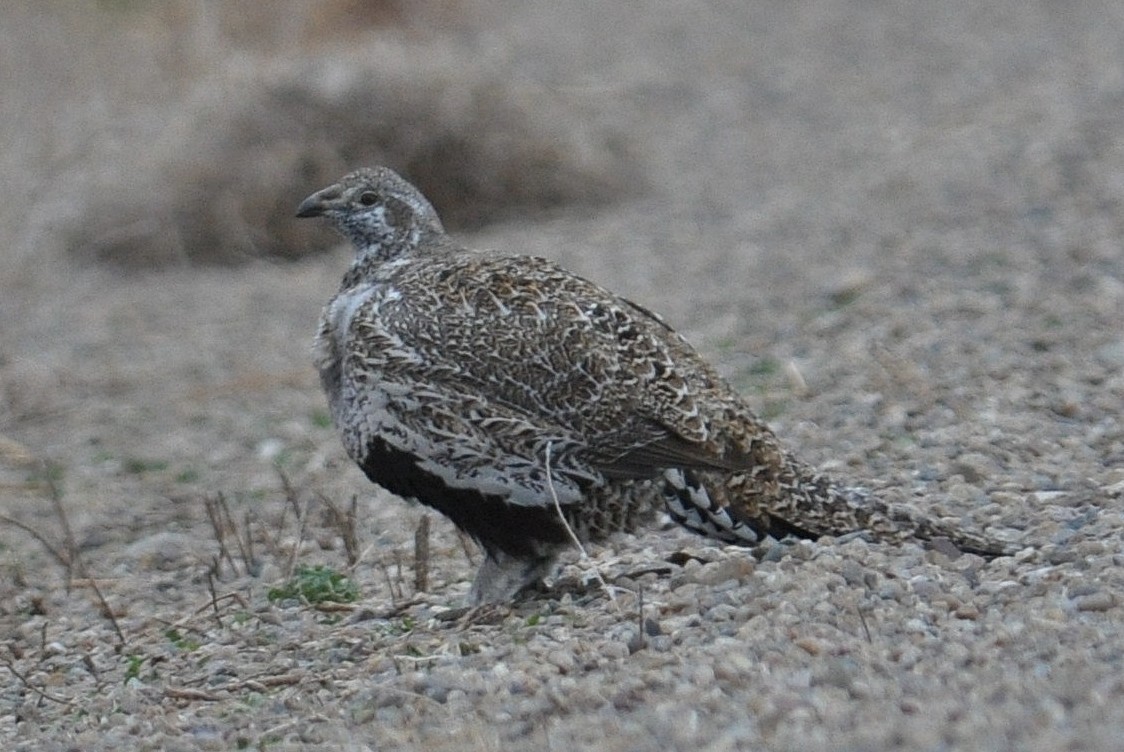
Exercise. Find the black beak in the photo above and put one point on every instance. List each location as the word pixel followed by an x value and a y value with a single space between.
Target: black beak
pixel 317 204
pixel 310 207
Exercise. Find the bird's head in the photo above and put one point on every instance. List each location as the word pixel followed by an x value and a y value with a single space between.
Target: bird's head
pixel 378 211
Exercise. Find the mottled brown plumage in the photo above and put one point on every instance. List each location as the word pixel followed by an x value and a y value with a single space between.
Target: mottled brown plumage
pixel 452 373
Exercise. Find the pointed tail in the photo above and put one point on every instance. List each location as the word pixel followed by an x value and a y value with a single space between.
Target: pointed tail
pixel 787 497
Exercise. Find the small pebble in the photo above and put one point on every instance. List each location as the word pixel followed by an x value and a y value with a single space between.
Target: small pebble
pixel 562 660
pixel 853 572
pixel 1062 555
pixel 614 649
pixel 810 645
pixel 1101 601
pixel 967 611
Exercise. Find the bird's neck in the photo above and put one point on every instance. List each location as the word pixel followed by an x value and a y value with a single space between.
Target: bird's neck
pixel 371 262
pixel 376 260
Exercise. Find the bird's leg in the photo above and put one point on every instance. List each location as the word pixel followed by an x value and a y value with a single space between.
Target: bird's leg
pixel 502 576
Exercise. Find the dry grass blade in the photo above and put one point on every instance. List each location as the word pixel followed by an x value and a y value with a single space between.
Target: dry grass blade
pixel 24 681
pixel 213 604
pixel 218 514
pixel 395 589
pixel 224 529
pixel 56 553
pixel 862 620
pixel 346 524
pixel 350 534
pixel 193 695
pixel 261 683
pixel 68 556
pixel 218 530
pixel 302 526
pixel 49 471
pixel 107 612
pixel 570 531
pixel 300 511
pixel 291 495
pixel 247 545
pixel 421 555
pixel 214 598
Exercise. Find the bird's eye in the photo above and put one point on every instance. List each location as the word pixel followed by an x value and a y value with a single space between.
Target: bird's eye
pixel 369 198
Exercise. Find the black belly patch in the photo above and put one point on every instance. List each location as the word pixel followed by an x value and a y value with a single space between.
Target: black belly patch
pixel 494 523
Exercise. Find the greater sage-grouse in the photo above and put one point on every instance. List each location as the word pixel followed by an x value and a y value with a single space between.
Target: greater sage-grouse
pixel 506 392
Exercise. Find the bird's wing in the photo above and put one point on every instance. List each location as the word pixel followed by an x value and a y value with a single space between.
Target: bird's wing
pixel 477 364
pixel 602 366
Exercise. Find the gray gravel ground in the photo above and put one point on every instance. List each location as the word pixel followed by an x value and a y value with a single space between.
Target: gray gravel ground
pixel 895 226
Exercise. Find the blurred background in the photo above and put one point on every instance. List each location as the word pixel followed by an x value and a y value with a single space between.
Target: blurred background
pixel 147 134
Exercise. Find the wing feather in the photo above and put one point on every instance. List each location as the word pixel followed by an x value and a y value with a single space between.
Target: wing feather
pixel 607 384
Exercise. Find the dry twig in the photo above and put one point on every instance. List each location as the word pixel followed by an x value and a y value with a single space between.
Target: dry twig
pixel 346 524
pixel 68 556
pixel 23 680
pixel 395 592
pixel 421 555
pixel 570 531
pixel 55 553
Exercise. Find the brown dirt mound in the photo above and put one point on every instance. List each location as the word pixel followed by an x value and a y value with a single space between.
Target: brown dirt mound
pixel 222 189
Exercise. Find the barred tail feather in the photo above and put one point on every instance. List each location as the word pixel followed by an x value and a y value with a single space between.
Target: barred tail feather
pixel 743 508
pixel 690 505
